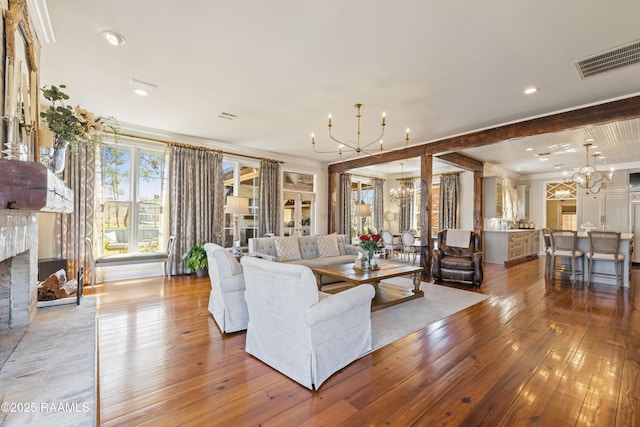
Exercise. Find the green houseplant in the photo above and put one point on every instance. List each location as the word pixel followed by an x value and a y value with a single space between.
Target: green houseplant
pixel 196 258
pixel 72 126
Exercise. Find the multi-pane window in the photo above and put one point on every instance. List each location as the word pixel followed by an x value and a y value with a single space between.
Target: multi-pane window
pixel 131 178
pixel 241 180
pixel 361 193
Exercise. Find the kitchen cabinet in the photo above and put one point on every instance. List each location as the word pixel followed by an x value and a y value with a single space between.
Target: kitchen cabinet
pixel 608 211
pixel 492 196
pixel 510 247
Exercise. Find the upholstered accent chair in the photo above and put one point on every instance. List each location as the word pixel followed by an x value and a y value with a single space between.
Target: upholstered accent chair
pixel 457 257
pixel 226 300
pixel 305 334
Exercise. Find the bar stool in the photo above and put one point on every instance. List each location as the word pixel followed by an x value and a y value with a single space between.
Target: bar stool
pixel 605 246
pixel 547 251
pixel 564 244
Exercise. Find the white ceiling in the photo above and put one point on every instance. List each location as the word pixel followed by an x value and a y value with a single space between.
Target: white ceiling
pixel 439 68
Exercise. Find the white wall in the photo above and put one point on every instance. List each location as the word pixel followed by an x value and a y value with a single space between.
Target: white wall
pixel 466 200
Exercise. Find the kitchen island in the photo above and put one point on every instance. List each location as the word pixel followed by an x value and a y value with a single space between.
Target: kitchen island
pixel 510 247
pixel 626 248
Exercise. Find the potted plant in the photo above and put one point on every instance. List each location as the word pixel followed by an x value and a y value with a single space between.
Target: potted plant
pixel 72 126
pixel 196 258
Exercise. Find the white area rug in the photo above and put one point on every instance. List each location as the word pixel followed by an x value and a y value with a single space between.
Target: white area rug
pixel 392 323
pixel 49 380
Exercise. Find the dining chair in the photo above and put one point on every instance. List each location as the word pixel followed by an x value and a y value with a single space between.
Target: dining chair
pixel 564 244
pixel 390 247
pixel 408 249
pixel 605 246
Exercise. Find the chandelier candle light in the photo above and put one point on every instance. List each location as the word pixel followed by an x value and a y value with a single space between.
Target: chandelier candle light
pixel 589 178
pixel 403 195
pixel 356 148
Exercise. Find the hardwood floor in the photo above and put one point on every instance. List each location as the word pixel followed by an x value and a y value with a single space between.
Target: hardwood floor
pixel 532 354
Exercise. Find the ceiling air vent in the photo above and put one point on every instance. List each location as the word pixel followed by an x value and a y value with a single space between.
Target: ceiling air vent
pixel 227 116
pixel 609 60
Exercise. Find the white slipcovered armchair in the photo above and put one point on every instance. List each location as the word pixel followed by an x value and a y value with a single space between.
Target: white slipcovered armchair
pixel 226 301
pixel 305 334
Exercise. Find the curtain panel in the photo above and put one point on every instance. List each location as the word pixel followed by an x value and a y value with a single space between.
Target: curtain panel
pixel 196 198
pixel 406 210
pixel 448 206
pixel 378 204
pixel 269 199
pixel 344 205
pixel 72 228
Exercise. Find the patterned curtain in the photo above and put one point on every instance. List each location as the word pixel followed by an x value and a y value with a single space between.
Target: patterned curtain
pixel 378 204
pixel 270 204
pixel 344 205
pixel 449 191
pixel 196 197
pixel 406 210
pixel 72 228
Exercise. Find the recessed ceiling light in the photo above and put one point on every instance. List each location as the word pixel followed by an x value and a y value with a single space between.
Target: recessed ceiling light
pixel 543 159
pixel 530 90
pixel 113 38
pixel 141 88
pixel 529 149
pixel 589 139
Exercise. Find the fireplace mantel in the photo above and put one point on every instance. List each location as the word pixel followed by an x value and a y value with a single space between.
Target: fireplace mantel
pixel 31 186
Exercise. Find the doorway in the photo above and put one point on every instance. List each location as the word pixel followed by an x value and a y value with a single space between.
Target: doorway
pixel 298 212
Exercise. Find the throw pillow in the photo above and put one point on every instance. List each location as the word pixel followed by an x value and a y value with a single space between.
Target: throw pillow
pixel 287 248
pixel 111 236
pixel 327 245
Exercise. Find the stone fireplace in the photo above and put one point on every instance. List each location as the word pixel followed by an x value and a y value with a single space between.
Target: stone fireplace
pixel 25 189
pixel 18 268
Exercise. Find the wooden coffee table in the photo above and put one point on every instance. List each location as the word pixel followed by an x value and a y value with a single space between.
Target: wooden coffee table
pixel 386 295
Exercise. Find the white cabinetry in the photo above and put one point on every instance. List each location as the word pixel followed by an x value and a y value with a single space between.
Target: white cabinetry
pixel 608 210
pixel 510 247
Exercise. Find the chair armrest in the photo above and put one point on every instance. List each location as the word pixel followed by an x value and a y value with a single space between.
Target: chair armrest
pixel 334 305
pixel 233 283
pixel 264 256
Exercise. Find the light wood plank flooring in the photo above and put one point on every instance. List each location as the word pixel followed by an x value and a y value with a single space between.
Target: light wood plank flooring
pixel 535 353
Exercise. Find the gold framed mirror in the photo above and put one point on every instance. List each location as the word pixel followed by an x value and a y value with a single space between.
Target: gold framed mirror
pixel 21 79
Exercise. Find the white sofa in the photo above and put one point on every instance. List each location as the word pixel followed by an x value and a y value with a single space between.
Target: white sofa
pixel 313 251
pixel 226 301
pixel 305 334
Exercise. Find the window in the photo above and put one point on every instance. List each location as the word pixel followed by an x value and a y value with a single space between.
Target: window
pixel 435 209
pixel 131 177
pixel 241 180
pixel 361 192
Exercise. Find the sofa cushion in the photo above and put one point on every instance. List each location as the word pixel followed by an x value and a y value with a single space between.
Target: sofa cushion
pixel 287 248
pixel 457 263
pixel 308 247
pixel 328 245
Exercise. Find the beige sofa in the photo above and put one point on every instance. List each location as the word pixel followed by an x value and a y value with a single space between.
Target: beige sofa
pixel 310 251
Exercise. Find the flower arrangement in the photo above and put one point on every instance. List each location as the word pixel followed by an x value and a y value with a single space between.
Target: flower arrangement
pixel 370 242
pixel 74 125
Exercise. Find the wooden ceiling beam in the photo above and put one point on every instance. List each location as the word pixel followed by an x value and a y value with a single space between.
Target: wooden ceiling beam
pixel 623 109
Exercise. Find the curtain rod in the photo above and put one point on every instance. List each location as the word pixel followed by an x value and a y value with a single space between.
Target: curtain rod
pixel 197 147
pixel 362 176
